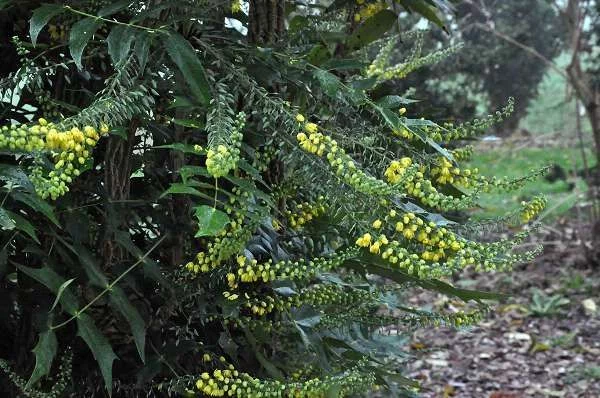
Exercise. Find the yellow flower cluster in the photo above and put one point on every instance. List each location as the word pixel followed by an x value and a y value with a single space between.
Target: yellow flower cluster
pixel 302 213
pixel 230 241
pixel 379 63
pixel 404 133
pixel 410 177
pixel 316 296
pixel 397 169
pixel 402 172
pixel 236 6
pixel 442 250
pixel 250 271
pixel 457 319
pixel 439 242
pixel 222 155
pixel 368 10
pixel 58 33
pixel 531 209
pixel 69 150
pixel 343 165
pixel 220 160
pixel 261 160
pixel 446 173
pixel 463 154
pixel 449 132
pixel 262 306
pixel 231 383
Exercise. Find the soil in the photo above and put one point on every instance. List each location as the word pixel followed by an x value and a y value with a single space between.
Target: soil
pixel 521 349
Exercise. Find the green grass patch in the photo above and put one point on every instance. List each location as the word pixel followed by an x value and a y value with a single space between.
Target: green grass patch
pixel 516 162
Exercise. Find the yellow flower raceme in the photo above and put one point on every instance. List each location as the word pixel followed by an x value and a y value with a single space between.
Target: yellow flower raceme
pixel 530 210
pixel 302 213
pixel 344 167
pixel 223 155
pixel 397 169
pixel 251 271
pixel 369 10
pixel 68 148
pixel 231 383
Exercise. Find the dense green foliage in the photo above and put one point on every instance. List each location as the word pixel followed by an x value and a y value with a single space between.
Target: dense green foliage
pixel 190 209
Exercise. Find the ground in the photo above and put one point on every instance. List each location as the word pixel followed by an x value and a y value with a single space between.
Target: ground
pixel 544 339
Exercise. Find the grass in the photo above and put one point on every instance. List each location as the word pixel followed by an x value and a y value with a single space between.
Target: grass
pixel 515 162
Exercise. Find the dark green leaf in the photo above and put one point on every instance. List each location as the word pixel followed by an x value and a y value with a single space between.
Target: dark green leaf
pixel 23 225
pixel 184 56
pixel 119 41
pixel 5 3
pixel 138 328
pixel 189 171
pixel 151 267
pixel 329 82
pixel 183 189
pixel 114 7
pixel 99 346
pixel 343 64
pixel 91 268
pixel 142 48
pixel 6 222
pixel 37 204
pixel 269 367
pixel 15 176
pixel 210 221
pixel 45 351
pixel 318 54
pixel 394 101
pixel 396 123
pixel 248 186
pixel 285 291
pixel 372 29
pixel 425 10
pixel 193 123
pixel 433 284
pixel 364 84
pixel 80 35
pixel 47 277
pixel 40 17
pixel 60 292
pixel 335 391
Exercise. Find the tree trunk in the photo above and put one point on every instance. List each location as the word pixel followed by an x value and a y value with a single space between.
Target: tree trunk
pixel 593 112
pixel 266 24
pixel 266 21
pixel 117 174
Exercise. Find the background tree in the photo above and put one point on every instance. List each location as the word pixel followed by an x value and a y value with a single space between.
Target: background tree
pixel 488 68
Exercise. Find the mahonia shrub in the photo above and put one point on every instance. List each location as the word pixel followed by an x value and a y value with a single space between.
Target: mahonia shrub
pixel 222 198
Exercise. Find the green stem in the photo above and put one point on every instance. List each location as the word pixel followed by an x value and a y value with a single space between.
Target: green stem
pixel 150 30
pixel 216 191
pixel 109 286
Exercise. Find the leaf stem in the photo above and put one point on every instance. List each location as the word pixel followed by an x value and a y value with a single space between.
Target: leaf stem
pixel 109 286
pixel 98 18
pixel 216 191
